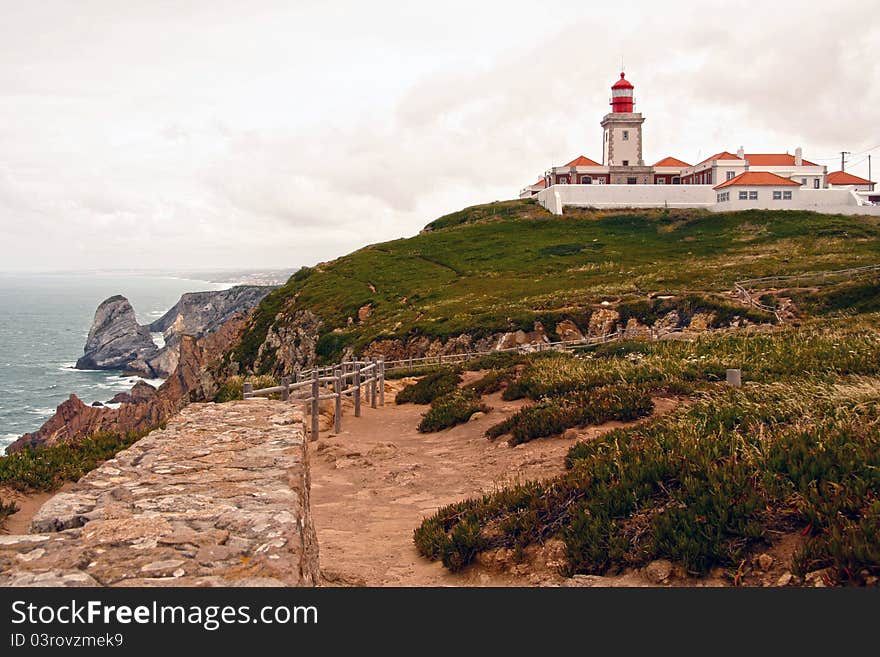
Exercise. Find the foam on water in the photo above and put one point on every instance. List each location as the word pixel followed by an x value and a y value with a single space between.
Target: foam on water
pixel 37 365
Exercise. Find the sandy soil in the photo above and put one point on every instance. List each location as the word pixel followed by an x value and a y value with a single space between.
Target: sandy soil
pixel 374 482
pixel 28 505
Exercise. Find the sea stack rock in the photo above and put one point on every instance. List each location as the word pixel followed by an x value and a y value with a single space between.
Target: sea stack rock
pixel 116 340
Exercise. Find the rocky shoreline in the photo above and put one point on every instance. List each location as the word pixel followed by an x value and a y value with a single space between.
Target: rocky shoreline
pixel 117 342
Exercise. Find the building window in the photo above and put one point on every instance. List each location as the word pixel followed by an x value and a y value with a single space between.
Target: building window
pixel 631 181
pixel 730 175
pixel 661 181
pixel 753 196
pixel 626 163
pixel 803 181
pixel 600 181
pixel 786 196
pixel 562 180
pixel 676 181
pixel 815 183
pixel 743 196
pixel 777 195
pixel 586 180
pixel 626 135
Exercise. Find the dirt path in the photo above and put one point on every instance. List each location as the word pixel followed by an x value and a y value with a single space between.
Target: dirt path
pixel 28 505
pixel 373 483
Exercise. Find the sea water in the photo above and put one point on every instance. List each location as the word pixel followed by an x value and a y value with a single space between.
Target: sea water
pixel 44 322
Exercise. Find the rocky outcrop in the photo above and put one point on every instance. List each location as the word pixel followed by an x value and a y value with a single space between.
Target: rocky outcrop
pixel 291 344
pixel 116 339
pixel 194 379
pixel 603 322
pixel 200 313
pixel 568 331
pixel 220 497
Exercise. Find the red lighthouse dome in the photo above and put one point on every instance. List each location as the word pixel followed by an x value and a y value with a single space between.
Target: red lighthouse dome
pixel 622 96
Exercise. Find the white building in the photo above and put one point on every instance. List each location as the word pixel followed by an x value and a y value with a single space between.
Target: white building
pixel 719 180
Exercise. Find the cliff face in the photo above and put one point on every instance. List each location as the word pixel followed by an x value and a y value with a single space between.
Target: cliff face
pixel 192 380
pixel 116 339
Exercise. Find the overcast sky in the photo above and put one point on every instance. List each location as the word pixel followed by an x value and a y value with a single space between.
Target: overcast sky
pixel 224 134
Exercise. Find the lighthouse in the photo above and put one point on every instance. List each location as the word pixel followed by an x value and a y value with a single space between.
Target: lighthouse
pixel 622 100
pixel 622 137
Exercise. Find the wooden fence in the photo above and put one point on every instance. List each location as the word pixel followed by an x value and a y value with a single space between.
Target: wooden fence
pixel 364 380
pixel 361 380
pixel 743 287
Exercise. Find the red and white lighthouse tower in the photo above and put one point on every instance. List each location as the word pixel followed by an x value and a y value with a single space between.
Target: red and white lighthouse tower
pixel 622 137
pixel 622 100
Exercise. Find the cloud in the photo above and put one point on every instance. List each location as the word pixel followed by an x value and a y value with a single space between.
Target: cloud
pixel 275 135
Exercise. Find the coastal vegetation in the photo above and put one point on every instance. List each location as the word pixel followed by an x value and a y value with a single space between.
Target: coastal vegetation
pixel 430 387
pixel 795 451
pixel 503 266
pixel 47 468
pixel 6 510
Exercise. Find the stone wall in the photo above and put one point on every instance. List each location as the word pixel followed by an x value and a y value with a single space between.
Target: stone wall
pixel 220 497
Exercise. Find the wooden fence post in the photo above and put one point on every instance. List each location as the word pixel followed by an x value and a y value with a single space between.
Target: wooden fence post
pixel 373 387
pixel 248 390
pixel 285 385
pixel 316 392
pixel 381 382
pixel 410 362
pixel 338 387
pixel 296 375
pixel 357 389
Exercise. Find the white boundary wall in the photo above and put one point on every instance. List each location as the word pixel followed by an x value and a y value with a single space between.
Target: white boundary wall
pixel 555 197
pixel 831 201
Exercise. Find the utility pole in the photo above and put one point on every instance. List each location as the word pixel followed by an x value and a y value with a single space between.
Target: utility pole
pixel 843 155
pixel 869 166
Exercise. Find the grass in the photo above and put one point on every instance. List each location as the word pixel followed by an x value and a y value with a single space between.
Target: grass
pixel 48 468
pixel 430 387
pixel 853 296
pixel 501 267
pixel 6 510
pixel 233 387
pixel 452 408
pixel 552 416
pixel 797 450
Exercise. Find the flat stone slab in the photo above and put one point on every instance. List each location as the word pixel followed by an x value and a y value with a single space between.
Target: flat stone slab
pixel 220 497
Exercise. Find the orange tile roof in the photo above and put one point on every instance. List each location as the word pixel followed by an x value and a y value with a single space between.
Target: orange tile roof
pixel 844 178
pixel 671 162
pixel 540 182
pixel 758 179
pixel 775 159
pixel 582 161
pixel 723 155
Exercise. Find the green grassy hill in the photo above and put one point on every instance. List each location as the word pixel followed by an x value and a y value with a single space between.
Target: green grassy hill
pixel 502 266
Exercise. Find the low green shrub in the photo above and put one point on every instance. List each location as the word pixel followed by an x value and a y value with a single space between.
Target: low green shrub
pixel 704 486
pixel 47 468
pixel 451 409
pixel 413 371
pixel 493 381
pixel 553 416
pixel 233 387
pixel 6 510
pixel 430 387
pixel 494 361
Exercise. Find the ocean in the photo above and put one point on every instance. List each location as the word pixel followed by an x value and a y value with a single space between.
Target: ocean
pixel 44 322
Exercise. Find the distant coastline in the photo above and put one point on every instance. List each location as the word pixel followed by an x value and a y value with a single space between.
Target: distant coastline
pixel 46 317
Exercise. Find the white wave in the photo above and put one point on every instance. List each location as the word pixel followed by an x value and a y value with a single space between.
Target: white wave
pixel 40 411
pixel 158 339
pixel 7 439
pixel 111 405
